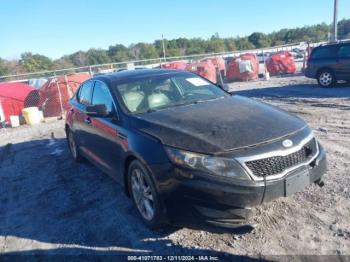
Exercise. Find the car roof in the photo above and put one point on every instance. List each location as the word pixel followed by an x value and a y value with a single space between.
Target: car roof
pixel 134 74
pixel 333 44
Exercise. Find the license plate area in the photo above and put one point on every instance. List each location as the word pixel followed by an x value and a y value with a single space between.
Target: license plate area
pixel 297 182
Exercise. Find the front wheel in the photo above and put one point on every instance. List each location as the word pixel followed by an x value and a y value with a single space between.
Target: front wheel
pixel 326 78
pixel 145 196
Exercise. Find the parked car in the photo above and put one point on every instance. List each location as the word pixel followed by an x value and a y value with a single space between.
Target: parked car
pixel 262 57
pixel 177 144
pixel 297 53
pixel 329 63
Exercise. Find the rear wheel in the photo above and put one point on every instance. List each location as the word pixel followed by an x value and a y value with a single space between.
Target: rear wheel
pixel 326 78
pixel 73 146
pixel 145 196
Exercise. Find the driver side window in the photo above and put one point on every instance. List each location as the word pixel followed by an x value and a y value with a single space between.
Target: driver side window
pixel 85 93
pixel 101 95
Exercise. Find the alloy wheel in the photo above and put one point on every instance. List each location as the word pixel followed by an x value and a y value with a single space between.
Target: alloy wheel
pixel 326 78
pixel 143 194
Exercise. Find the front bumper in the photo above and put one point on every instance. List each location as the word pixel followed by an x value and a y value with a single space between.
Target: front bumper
pixel 222 201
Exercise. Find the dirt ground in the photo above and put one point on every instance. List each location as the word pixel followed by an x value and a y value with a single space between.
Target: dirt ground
pixel 51 205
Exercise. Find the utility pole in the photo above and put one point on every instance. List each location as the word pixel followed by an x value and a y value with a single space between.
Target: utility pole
pixel 163 49
pixel 335 22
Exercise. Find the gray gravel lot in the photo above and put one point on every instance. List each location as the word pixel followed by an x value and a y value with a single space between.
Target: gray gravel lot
pixel 51 205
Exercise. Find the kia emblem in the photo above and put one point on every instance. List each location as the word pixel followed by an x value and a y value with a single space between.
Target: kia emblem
pixel 287 143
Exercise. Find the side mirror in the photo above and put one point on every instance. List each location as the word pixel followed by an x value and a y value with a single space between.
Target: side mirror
pixel 97 111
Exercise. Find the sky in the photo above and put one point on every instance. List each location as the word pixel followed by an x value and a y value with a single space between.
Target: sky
pixel 58 27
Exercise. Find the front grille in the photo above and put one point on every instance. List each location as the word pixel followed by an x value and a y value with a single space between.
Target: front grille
pixel 276 165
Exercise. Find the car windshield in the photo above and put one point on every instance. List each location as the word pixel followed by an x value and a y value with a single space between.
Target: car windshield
pixel 165 91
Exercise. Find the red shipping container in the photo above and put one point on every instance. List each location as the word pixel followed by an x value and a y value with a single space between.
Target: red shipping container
pixel 62 86
pixel 178 65
pixel 204 69
pixel 12 99
pixel 243 68
pixel 281 63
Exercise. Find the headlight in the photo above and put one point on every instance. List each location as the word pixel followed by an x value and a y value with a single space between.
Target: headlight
pixel 214 165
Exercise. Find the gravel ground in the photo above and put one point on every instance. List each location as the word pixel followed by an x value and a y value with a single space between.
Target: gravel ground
pixel 51 205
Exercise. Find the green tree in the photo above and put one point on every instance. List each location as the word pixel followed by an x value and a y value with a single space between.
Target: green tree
pixel 118 53
pixel 35 62
pixel 79 58
pixel 344 29
pixel 158 45
pixel 97 56
pixel 259 40
pixel 183 43
pixel 216 44
pixel 171 52
pixel 62 63
pixel 196 46
pixel 144 51
pixel 3 68
pixel 230 44
pixel 243 44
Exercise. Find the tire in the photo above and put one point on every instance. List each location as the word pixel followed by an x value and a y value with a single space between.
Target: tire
pixel 73 147
pixel 326 78
pixel 145 196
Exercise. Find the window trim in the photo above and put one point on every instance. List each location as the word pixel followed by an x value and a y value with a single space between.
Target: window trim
pixel 81 87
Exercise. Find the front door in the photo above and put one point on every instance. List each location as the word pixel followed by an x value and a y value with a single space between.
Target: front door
pixel 106 139
pixel 81 122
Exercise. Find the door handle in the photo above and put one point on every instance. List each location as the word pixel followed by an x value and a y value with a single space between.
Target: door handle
pixel 122 136
pixel 87 120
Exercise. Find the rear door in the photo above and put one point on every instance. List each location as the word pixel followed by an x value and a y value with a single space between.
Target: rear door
pixel 343 66
pixel 324 57
pixel 106 140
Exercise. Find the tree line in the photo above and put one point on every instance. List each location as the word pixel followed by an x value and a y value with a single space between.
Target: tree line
pixel 30 62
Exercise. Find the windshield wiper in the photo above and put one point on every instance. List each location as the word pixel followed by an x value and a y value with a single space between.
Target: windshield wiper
pixel 151 110
pixel 206 100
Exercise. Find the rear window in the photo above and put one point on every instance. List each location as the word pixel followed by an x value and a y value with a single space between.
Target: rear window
pixel 323 52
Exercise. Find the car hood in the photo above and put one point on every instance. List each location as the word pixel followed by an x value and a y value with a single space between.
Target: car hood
pixel 219 125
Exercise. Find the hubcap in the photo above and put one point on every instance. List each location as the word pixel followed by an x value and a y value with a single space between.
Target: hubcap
pixel 72 144
pixel 326 78
pixel 142 193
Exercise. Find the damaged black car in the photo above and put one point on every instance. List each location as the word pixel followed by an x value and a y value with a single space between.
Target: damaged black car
pixel 178 143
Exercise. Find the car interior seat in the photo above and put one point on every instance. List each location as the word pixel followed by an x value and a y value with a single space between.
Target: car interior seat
pixel 157 100
pixel 133 99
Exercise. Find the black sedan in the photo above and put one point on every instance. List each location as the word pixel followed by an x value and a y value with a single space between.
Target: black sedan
pixel 178 143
